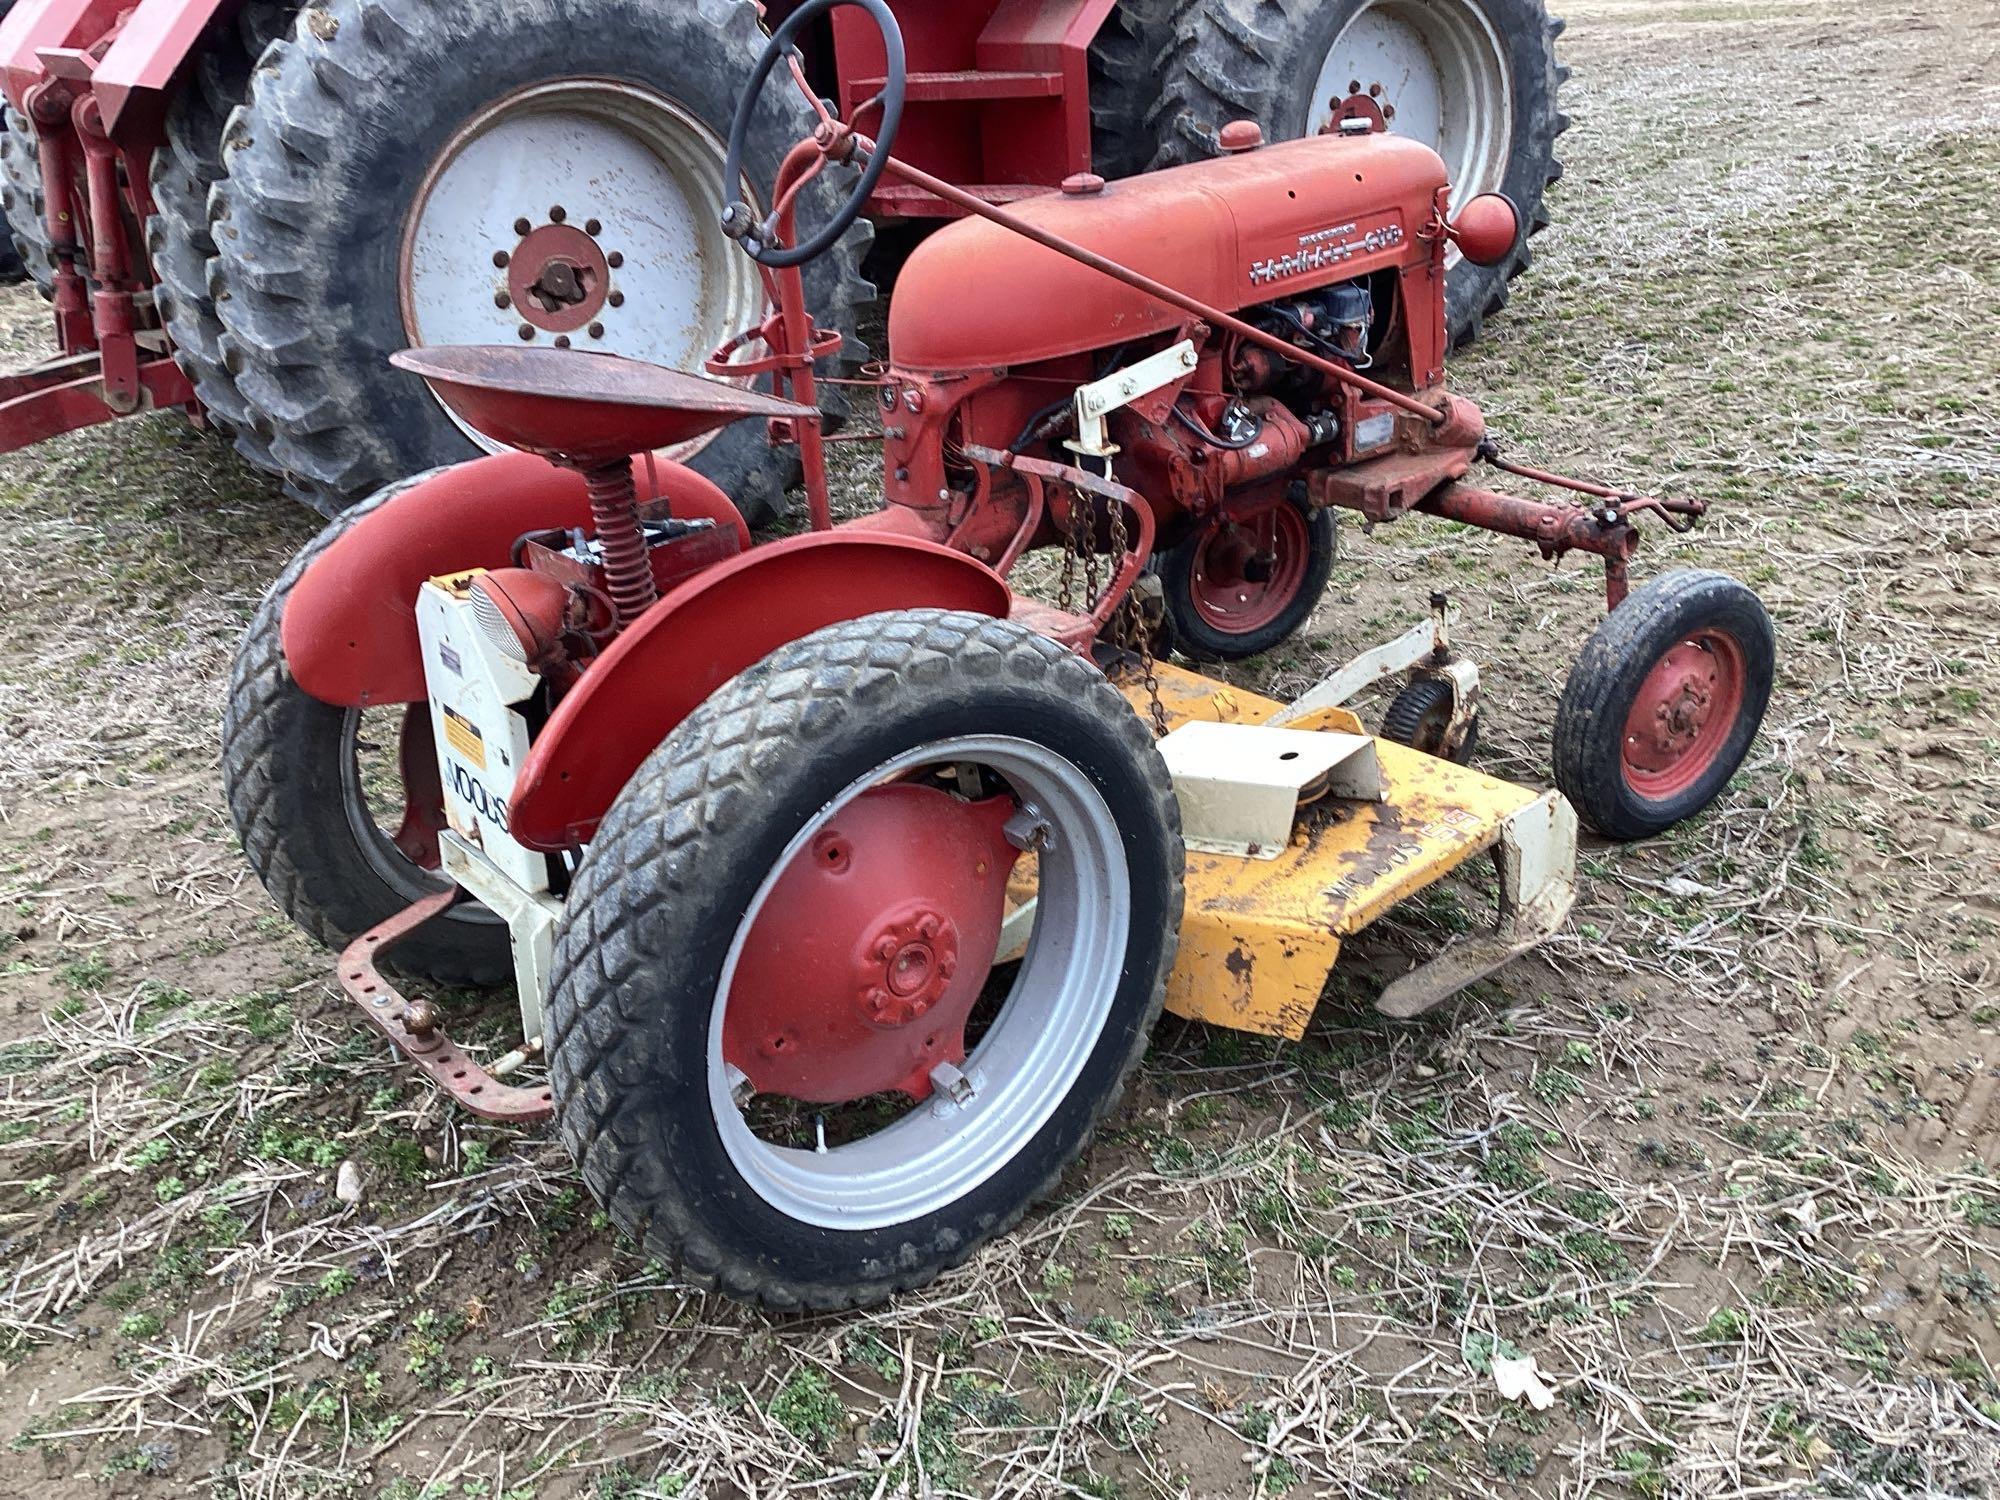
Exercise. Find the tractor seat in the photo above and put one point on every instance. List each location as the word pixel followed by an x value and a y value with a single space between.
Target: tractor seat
pixel 580 407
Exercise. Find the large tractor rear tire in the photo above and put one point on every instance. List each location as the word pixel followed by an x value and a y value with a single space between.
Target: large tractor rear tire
pixel 21 197
pixel 188 164
pixel 421 171
pixel 1476 79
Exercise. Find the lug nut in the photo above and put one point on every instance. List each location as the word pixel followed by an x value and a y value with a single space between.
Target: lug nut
pixel 501 299
pixel 615 259
pixel 527 330
pixel 562 341
pixel 500 257
pixel 596 330
pixel 591 226
pixel 616 299
pixel 522 226
pixel 556 214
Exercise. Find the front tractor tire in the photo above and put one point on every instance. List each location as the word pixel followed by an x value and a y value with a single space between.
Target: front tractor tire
pixel 1664 702
pixel 782 1051
pixel 421 171
pixel 1474 79
pixel 1236 588
pixel 308 811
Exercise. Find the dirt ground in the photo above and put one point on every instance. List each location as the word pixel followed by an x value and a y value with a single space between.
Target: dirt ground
pixel 1721 1156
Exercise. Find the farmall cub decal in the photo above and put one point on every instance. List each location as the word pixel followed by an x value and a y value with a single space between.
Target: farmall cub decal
pixel 1330 248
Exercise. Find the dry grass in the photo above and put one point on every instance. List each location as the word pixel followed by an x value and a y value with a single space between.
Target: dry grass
pixel 1720 1156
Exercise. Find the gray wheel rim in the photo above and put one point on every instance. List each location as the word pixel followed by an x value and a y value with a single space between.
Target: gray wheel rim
pixel 1028 1060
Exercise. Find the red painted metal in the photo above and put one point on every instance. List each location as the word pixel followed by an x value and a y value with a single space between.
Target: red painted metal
pixel 423 790
pixel 1200 240
pixel 156 38
pixel 66 394
pixel 558 278
pixel 1486 229
pixel 704 633
pixel 590 408
pixel 1683 714
pixel 861 969
pixel 37 24
pixel 1555 528
pixel 1247 573
pixel 998 94
pixel 412 1025
pixel 350 626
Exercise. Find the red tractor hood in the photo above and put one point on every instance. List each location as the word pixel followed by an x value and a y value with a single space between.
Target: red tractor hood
pixel 1233 232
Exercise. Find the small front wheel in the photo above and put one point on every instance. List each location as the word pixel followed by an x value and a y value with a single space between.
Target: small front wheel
pixel 1235 588
pixel 1663 703
pixel 783 1050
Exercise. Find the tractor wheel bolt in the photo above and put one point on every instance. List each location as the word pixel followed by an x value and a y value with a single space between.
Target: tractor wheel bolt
pixel 501 257
pixel 527 330
pixel 522 226
pixel 615 259
pixel 886 948
pixel 596 330
pixel 501 299
pixel 556 214
pixel 591 226
pixel 616 299
pixel 562 341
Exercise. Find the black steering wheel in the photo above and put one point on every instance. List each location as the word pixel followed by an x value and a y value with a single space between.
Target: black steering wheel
pixel 739 220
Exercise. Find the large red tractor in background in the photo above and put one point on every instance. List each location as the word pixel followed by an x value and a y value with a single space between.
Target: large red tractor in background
pixel 246 205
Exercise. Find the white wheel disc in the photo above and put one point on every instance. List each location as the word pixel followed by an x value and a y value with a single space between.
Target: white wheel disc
pixel 1440 73
pixel 619 171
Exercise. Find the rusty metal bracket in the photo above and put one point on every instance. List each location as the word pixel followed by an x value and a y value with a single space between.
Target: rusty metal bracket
pixel 412 1025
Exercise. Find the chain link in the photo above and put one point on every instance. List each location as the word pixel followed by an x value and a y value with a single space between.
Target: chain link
pixel 1128 626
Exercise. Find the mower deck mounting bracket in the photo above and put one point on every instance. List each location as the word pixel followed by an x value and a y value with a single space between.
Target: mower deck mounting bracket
pixel 1097 400
pixel 1240 785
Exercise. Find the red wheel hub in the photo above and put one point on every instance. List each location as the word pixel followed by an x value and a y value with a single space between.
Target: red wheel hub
pixel 859 972
pixel 1247 573
pixel 558 278
pixel 1683 714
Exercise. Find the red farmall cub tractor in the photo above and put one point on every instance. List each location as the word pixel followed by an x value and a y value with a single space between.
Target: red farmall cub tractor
pixel 840 881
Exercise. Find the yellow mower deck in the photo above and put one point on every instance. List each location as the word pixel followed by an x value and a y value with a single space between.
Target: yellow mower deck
pixel 1260 935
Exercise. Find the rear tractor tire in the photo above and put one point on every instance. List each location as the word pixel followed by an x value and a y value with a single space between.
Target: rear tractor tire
pixel 300 795
pixel 21 197
pixel 782 1051
pixel 1474 79
pixel 424 171
pixel 1663 703
pixel 186 166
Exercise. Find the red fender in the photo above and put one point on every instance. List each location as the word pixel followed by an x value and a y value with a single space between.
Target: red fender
pixel 701 635
pixel 350 625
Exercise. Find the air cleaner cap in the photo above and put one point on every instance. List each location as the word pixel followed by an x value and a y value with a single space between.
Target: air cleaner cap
pixel 1240 135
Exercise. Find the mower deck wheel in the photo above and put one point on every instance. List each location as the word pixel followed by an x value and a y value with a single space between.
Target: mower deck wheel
pixel 782 1051
pixel 1236 588
pixel 1664 702
pixel 304 803
pixel 1420 714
